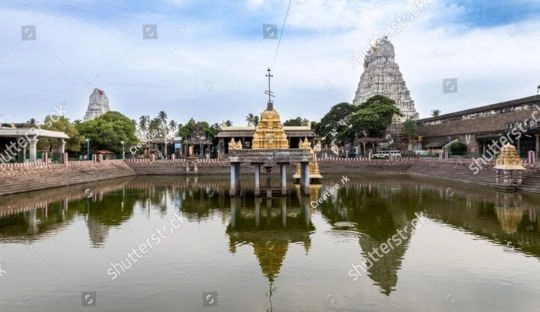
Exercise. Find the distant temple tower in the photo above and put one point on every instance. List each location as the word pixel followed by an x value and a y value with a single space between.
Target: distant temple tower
pixel 382 76
pixel 98 105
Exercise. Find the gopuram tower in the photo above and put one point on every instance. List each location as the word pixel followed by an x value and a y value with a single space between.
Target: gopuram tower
pixel 382 76
pixel 98 105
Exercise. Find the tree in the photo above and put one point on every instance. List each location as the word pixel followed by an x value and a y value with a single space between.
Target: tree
pixel 143 122
pixel 61 123
pixel 458 148
pixel 333 126
pixel 435 113
pixel 162 117
pixel 410 127
pixel 296 122
pixel 173 126
pixel 252 120
pixel 108 131
pixel 186 130
pixel 373 117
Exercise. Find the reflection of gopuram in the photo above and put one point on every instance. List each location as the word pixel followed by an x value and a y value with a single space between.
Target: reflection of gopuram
pixel 269 230
pixel 367 210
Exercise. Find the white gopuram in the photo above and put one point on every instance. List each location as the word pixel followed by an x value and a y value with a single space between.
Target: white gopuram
pixel 382 76
pixel 98 105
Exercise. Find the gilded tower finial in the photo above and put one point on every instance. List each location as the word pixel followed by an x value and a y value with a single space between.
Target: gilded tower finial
pixel 269 92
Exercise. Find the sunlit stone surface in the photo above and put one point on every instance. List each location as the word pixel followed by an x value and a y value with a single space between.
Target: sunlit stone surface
pixel 98 105
pixel 382 76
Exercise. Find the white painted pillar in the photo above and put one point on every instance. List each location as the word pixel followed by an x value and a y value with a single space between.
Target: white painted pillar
pixel 62 147
pixel 32 143
pixel 304 177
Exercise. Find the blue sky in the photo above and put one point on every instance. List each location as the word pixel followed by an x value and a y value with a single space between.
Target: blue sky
pixel 209 59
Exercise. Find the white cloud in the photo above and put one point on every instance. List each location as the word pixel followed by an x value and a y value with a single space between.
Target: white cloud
pixel 206 70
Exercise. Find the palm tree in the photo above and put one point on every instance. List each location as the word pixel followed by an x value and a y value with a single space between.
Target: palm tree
pixel 250 118
pixel 435 113
pixel 256 121
pixel 173 126
pixel 163 117
pixel 228 123
pixel 143 122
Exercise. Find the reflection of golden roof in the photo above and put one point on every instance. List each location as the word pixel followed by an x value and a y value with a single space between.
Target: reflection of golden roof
pixel 271 255
pixel 509 159
pixel 509 218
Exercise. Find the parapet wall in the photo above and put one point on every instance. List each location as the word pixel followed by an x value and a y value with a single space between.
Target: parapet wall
pixel 18 178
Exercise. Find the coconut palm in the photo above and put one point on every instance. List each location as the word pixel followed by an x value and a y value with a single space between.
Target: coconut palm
pixel 143 122
pixel 435 113
pixel 162 117
pixel 173 126
pixel 250 118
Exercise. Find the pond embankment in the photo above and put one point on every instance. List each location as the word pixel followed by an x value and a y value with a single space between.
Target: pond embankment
pixel 18 178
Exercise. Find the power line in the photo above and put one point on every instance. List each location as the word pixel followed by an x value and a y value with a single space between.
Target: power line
pixel 281 33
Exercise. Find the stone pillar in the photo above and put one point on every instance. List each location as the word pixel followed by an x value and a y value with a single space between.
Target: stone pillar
pixel 32 141
pixel 173 157
pixel 62 147
pixel 537 145
pixel 283 173
pixel 196 168
pixel 304 177
pixel 268 181
pixel 46 158
pixel 257 179
pixel 65 159
pixel 235 178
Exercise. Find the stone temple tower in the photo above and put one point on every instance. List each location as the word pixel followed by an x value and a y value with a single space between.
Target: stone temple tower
pixel 98 105
pixel 381 76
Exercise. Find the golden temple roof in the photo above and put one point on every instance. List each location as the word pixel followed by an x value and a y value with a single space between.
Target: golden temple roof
pixel 509 159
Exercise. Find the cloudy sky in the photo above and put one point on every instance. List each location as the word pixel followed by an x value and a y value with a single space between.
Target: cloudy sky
pixel 210 57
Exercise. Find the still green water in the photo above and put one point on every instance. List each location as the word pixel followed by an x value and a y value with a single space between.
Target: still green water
pixel 374 243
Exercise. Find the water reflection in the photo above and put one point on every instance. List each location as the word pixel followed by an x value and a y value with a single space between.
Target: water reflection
pixel 373 208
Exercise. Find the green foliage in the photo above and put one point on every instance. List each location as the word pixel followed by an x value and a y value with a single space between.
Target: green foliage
pixel 107 132
pixel 373 117
pixel 458 148
pixel 60 123
pixel 252 120
pixel 435 113
pixel 296 122
pixel 333 126
pixel 410 127
pixel 185 131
